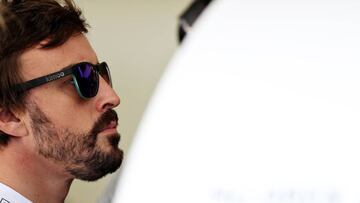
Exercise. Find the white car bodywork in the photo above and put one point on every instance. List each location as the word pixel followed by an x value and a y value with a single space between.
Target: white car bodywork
pixel 260 104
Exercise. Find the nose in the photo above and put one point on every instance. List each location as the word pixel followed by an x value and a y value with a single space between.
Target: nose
pixel 106 98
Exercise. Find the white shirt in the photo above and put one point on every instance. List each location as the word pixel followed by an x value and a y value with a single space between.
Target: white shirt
pixel 8 195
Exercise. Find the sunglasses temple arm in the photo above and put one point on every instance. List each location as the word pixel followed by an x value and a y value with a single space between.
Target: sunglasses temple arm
pixel 42 80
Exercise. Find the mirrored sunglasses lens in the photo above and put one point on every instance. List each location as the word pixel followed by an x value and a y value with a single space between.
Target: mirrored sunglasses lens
pixel 105 72
pixel 87 79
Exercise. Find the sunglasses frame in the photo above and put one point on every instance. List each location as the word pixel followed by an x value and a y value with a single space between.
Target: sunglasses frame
pixel 98 68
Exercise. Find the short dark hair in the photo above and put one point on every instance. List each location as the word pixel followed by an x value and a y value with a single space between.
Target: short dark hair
pixel 24 24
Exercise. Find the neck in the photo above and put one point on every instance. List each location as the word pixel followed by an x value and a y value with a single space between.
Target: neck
pixel 38 179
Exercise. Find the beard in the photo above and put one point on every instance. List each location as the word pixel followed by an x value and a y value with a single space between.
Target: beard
pixel 78 152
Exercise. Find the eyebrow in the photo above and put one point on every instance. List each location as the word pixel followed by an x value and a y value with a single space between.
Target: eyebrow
pixel 66 67
pixel 73 64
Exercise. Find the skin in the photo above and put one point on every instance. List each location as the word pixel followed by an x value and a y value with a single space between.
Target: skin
pixel 45 179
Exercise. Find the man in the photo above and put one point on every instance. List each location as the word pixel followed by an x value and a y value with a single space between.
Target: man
pixel 57 121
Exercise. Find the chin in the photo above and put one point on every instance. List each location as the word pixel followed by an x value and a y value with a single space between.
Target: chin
pixel 112 164
pixel 99 163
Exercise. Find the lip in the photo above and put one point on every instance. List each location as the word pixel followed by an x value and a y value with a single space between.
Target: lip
pixel 110 127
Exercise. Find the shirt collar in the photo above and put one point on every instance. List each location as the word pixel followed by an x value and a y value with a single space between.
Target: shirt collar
pixel 8 195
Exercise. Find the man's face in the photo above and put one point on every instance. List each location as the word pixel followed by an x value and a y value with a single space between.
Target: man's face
pixel 78 135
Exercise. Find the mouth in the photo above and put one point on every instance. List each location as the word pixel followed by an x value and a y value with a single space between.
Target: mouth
pixel 111 133
pixel 106 124
pixel 111 127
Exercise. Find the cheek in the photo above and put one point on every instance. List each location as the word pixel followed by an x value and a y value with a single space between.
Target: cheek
pixel 67 112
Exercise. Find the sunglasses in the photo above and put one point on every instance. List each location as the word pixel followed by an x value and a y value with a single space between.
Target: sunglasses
pixel 85 78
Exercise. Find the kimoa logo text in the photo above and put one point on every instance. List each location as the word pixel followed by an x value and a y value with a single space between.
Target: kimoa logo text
pixel 55 76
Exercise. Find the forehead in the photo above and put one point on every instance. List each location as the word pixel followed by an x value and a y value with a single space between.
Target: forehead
pixel 37 62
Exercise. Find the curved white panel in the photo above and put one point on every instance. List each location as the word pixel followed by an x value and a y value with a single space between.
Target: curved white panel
pixel 260 104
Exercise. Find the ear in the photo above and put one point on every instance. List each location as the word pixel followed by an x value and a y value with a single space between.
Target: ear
pixel 11 124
